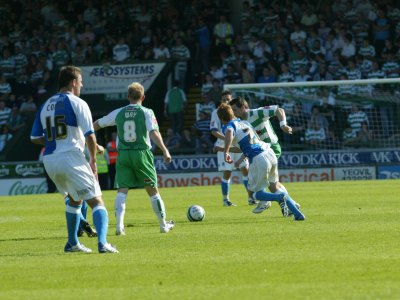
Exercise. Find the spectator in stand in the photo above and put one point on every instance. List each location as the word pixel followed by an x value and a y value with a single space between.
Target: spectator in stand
pixel 181 54
pixel 172 141
pixel 201 129
pixel 207 106
pixel 28 107
pixel 231 76
pixel 297 35
pixel 16 120
pixel 317 118
pixel 204 40
pixel 326 109
pixel 360 30
pixel 60 56
pixel 303 75
pixel 223 34
pixel 5 112
pixel 309 18
pixel 112 156
pixel 356 118
pixel 352 72
pixel 391 67
pixel 78 55
pixel 21 60
pixel 207 83
pixel 245 74
pixel 285 75
pixel 250 63
pixel 367 50
pixel 267 76
pixel 174 105
pixel 381 30
pixel 348 48
pixel 88 36
pixel 314 134
pixel 376 72
pixel 348 137
pixel 188 142
pixel 5 88
pixel 121 51
pixel 322 74
pixel 161 52
pixel 365 136
pixel 5 136
pixel 214 94
pixel 23 86
pixel 217 72
pixel 387 50
pixel 7 64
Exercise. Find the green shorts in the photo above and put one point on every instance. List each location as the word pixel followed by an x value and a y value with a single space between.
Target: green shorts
pixel 135 168
pixel 277 149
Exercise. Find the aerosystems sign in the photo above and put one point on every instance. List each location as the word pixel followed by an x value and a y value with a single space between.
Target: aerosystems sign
pixel 112 79
pixel 288 160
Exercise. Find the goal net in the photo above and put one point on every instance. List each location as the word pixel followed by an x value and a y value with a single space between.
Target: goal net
pixel 332 114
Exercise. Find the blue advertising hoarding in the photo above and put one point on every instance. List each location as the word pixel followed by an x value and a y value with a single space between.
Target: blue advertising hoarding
pixel 289 160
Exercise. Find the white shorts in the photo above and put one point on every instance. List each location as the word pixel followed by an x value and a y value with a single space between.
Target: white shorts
pixel 71 173
pixel 263 170
pixel 224 166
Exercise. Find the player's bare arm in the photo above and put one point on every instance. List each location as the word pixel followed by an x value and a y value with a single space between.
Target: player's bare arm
pixel 92 149
pixel 281 115
pixel 157 139
pixel 228 143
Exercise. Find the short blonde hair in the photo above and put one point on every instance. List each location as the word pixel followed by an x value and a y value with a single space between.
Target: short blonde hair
pixel 135 91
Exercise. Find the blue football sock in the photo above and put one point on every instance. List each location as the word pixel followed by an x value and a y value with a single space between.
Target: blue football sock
pixel 291 205
pixel 100 220
pixel 84 210
pixel 245 181
pixel 225 188
pixel 265 196
pixel 72 215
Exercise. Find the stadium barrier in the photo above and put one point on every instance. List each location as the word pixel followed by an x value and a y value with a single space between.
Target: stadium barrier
pixel 29 178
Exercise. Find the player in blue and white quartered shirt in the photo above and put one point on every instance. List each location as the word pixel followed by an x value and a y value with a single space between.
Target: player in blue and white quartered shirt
pixel 216 131
pixel 263 169
pixel 63 124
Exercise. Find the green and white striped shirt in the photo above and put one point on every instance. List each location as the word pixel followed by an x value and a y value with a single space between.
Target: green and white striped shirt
pixel 259 119
pixel 356 119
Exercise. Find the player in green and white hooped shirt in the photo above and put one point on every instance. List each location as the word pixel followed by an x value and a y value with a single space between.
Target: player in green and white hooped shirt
pixel 259 119
pixel 135 163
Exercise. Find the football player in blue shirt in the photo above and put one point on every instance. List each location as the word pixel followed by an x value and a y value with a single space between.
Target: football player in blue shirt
pixel 263 168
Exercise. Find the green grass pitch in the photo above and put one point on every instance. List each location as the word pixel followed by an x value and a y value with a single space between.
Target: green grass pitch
pixel 348 248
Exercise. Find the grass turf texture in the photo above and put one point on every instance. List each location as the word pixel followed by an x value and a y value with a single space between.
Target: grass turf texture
pixel 348 248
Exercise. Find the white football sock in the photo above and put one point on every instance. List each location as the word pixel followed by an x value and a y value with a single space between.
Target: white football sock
pixel 119 206
pixel 158 207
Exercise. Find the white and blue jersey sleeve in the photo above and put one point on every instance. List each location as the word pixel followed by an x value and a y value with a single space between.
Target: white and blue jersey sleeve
pixel 246 138
pixel 64 121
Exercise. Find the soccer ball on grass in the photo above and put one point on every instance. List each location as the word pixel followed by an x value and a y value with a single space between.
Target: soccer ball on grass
pixel 196 213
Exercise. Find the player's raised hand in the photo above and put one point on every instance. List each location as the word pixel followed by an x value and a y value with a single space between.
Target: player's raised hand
pixel 287 129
